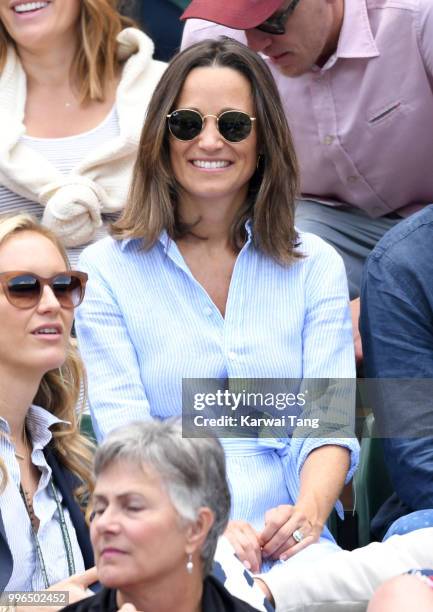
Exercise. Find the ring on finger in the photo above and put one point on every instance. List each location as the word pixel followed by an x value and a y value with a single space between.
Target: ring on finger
pixel 298 536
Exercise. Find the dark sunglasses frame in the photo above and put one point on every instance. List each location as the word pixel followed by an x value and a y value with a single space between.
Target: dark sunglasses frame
pixel 276 23
pixel 19 300
pixel 217 117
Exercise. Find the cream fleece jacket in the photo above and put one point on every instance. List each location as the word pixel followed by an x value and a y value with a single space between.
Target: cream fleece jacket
pixel 99 184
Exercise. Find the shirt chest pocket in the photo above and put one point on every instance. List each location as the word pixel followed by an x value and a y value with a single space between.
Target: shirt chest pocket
pixel 385 113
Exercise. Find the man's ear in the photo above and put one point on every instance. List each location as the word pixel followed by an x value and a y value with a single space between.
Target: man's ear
pixel 197 530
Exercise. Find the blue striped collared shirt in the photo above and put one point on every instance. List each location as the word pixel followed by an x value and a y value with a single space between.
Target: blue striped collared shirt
pixel 146 324
pixel 26 573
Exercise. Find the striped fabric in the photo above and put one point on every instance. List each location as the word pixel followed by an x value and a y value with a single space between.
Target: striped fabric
pixel 64 154
pixel 26 574
pixel 146 324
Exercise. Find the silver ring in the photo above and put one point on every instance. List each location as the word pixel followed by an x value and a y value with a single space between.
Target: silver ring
pixel 298 536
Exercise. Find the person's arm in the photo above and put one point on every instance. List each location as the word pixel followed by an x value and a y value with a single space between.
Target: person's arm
pixel 317 497
pixel 76 587
pixel 355 307
pixel 116 392
pixel 325 458
pixel 425 34
pixel 397 333
pixel 347 580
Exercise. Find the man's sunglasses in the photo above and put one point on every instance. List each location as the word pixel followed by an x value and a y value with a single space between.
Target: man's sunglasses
pixel 24 289
pixel 186 124
pixel 276 23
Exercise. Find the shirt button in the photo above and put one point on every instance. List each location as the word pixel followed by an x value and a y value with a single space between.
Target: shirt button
pixel 353 179
pixel 329 139
pixel 207 311
pixel 232 355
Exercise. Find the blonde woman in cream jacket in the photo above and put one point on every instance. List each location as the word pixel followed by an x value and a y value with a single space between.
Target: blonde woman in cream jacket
pixel 75 81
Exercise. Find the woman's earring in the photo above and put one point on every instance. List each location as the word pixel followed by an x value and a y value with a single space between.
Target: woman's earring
pixel 189 564
pixel 259 159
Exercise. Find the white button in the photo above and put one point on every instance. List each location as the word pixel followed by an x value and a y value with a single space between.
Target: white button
pixel 329 139
pixel 207 311
pixel 232 355
pixel 353 179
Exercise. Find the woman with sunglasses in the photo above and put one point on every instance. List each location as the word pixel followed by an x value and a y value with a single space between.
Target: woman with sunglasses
pixel 75 80
pixel 206 277
pixel 44 461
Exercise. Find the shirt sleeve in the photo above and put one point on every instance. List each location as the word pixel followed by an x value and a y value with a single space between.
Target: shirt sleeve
pixel 328 353
pixel 400 346
pixel 349 581
pixel 116 392
pixel 425 34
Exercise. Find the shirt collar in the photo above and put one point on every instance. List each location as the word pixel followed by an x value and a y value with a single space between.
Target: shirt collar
pixel 356 38
pixel 38 422
pixel 165 239
pixel 124 243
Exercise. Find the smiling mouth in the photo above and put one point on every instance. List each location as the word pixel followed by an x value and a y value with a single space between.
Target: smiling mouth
pixel 210 165
pixel 29 7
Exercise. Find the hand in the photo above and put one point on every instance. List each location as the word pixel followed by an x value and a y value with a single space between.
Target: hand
pixel 76 585
pixel 245 541
pixel 355 307
pixel 277 539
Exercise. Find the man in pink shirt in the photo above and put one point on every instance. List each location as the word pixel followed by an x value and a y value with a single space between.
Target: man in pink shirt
pixel 356 80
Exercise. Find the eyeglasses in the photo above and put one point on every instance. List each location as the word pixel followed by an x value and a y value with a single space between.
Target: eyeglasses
pixel 24 289
pixel 276 23
pixel 233 125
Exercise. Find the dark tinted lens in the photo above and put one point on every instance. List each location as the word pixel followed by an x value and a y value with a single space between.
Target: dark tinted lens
pixel 185 124
pixel 24 290
pixel 272 26
pixel 68 290
pixel 234 125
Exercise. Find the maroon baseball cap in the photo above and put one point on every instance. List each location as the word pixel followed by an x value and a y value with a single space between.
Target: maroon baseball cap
pixel 236 14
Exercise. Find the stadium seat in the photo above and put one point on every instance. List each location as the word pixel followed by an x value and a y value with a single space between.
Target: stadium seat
pixel 372 485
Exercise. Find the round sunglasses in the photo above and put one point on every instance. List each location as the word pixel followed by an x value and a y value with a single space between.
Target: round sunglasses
pixel 186 124
pixel 24 289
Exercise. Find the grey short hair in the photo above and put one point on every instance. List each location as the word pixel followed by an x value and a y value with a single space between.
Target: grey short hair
pixel 192 470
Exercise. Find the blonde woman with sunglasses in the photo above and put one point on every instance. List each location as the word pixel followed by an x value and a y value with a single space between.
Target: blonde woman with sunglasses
pixel 44 461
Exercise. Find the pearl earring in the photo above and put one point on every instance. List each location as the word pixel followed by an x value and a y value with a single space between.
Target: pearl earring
pixel 189 564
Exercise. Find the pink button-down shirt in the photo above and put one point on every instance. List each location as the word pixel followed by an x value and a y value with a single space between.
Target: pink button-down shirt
pixel 363 124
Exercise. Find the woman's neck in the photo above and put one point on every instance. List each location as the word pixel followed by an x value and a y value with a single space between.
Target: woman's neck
pixel 16 396
pixel 182 594
pixel 49 67
pixel 215 216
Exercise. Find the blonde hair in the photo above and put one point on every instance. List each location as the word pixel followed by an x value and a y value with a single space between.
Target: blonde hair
pixel 95 64
pixel 59 390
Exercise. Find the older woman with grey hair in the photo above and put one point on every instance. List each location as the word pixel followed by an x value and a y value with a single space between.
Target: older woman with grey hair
pixel 159 505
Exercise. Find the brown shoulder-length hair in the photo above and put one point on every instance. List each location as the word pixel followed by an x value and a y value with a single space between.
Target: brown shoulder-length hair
pixel 59 389
pixel 153 196
pixel 95 64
